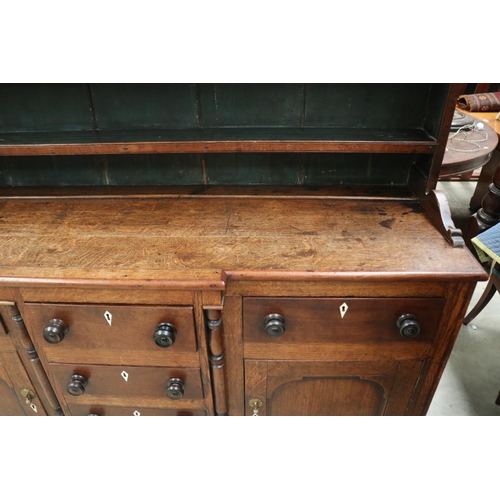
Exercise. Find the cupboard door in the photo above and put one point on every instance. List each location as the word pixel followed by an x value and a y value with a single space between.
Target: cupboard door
pixel 9 402
pixel 13 381
pixel 325 388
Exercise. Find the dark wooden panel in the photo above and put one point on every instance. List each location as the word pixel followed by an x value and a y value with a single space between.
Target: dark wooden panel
pixel 9 402
pixel 385 193
pixel 352 169
pixel 337 351
pixel 245 169
pixel 330 388
pixel 119 411
pixel 145 106
pixel 154 170
pixel 13 379
pixel 320 320
pixel 328 397
pixel 98 296
pixel 221 169
pixel 252 105
pixel 403 388
pixel 44 107
pixel 219 140
pixel 366 105
pixel 131 329
pixel 233 346
pixel 255 385
pixel 143 382
pixel 116 357
pixel 53 171
pixel 335 288
pixel 97 170
pixel 437 102
pixel 340 388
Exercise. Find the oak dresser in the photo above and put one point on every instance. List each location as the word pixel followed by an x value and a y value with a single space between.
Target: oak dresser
pixel 226 249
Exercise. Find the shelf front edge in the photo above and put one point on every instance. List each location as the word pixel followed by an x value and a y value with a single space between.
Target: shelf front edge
pixel 219 147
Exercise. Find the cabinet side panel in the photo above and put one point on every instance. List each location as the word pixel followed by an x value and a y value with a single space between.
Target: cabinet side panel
pixel 458 298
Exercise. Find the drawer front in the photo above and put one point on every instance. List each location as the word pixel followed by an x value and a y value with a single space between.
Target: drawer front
pixel 127 383
pixel 347 320
pixel 131 411
pixel 114 328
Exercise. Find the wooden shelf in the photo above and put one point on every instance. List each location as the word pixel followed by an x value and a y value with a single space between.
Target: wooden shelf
pixel 219 140
pixel 156 242
pixel 168 192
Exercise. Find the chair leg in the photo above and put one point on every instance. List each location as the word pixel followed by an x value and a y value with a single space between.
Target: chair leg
pixel 483 301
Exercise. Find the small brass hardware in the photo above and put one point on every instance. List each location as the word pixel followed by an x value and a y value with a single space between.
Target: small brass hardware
pixel 29 396
pixel 255 404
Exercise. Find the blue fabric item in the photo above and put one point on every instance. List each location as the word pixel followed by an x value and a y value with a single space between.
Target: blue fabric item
pixel 487 244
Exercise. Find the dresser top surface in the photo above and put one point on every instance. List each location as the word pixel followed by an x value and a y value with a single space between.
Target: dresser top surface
pixel 202 238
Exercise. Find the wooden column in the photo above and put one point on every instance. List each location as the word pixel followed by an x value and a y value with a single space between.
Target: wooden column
pixel 216 350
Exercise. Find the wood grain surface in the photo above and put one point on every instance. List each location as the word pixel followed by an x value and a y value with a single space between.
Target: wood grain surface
pixel 142 382
pixel 131 328
pixel 330 388
pixel 320 320
pixel 131 411
pixel 152 242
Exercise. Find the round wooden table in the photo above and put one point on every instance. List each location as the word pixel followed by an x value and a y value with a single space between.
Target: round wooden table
pixel 459 160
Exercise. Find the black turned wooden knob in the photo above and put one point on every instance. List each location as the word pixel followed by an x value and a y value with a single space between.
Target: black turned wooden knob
pixel 77 384
pixel 164 335
pixel 274 324
pixel 55 331
pixel 408 325
pixel 175 389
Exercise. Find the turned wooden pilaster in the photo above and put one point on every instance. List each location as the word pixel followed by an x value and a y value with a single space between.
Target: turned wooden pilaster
pixel 489 213
pixel 16 326
pixel 216 354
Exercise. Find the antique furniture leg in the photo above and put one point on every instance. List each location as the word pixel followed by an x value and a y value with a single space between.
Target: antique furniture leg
pixel 489 213
pixel 485 177
pixel 492 287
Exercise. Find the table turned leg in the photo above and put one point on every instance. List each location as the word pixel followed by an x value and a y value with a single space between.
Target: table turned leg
pixel 485 177
pixel 489 213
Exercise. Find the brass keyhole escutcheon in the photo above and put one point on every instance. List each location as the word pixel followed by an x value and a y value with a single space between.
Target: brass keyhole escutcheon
pixel 255 404
pixel 28 395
